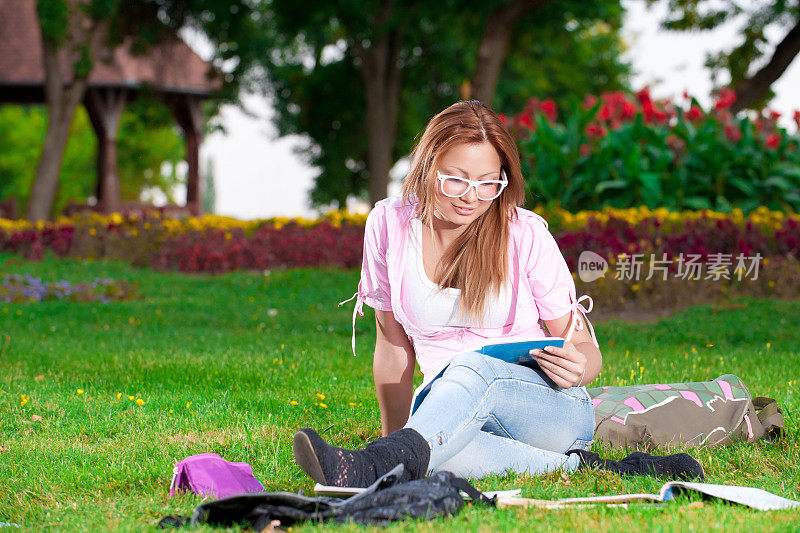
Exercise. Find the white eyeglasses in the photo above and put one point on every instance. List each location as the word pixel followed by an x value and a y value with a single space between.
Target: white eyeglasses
pixel 456 187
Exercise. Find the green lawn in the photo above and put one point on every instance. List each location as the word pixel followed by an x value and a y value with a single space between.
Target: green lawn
pixel 217 361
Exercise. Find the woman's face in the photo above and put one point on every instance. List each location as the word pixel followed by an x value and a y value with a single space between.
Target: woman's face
pixel 477 162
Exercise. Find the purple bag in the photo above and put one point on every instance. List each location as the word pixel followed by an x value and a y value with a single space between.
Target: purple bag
pixel 208 474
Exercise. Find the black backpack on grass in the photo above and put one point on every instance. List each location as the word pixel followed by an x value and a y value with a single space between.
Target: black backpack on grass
pixel 384 501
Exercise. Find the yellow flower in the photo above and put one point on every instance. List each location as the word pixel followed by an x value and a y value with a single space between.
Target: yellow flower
pixel 130 398
pixel 768 345
pixel 80 391
pixel 24 399
pixel 694 350
pixel 351 404
pixel 709 345
pixel 92 231
pixel 119 395
pixel 188 404
pixel 320 396
pixel 322 405
pixel 635 287
pixel 293 403
pixel 139 401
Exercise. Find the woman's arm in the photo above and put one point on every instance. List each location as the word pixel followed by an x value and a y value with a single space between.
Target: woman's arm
pixel 393 369
pixel 578 362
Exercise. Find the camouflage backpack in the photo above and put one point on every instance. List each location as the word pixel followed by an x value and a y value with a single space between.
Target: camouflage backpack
pixel 703 414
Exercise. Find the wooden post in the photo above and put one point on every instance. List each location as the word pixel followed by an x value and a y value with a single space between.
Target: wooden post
pixel 105 106
pixel 189 117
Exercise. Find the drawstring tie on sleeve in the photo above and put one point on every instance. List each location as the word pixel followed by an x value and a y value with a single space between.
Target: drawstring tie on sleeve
pixel 357 310
pixel 575 323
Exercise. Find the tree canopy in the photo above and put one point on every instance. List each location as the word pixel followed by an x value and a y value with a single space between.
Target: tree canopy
pixel 755 63
pixel 325 65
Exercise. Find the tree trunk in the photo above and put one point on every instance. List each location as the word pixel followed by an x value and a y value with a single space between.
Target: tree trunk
pixel 62 100
pixel 189 116
pixel 379 65
pixel 751 90
pixel 105 107
pixel 62 94
pixel 494 47
pixel 46 182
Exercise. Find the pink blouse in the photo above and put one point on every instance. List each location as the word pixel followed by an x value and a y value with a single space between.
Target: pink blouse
pixel 542 285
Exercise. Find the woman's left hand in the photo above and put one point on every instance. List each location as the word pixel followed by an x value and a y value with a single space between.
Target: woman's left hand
pixel 565 366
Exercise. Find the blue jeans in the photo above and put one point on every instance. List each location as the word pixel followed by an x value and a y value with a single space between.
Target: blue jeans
pixel 485 416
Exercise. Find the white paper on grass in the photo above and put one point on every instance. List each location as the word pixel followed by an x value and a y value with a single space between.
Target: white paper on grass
pixel 749 496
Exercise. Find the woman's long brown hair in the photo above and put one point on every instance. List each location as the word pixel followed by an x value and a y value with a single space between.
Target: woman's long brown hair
pixel 477 261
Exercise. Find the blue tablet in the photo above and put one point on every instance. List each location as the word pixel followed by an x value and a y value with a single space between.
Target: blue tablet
pixel 517 352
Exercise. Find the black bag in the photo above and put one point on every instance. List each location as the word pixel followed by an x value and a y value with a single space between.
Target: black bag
pixel 384 501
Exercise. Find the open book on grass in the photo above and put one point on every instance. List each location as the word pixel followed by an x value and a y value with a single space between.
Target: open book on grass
pixel 749 496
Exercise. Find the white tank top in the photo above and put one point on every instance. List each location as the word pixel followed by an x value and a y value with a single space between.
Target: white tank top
pixel 427 304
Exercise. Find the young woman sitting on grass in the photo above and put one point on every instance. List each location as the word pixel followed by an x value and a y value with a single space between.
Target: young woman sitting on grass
pixel 453 265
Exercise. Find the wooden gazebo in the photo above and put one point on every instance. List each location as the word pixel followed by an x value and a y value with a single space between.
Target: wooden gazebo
pixel 171 71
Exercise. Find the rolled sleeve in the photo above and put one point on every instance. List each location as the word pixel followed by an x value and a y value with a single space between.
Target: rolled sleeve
pixel 373 288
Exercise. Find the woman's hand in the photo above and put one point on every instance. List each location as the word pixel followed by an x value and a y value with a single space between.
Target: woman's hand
pixel 565 366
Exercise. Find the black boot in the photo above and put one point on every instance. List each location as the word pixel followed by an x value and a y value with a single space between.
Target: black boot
pixel 339 467
pixel 677 466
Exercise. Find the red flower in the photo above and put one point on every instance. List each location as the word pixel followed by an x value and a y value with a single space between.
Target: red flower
pixel 694 114
pixel 774 115
pixel 732 132
pixel 503 119
pixel 797 118
pixel 605 112
pixel 725 98
pixel 589 100
pixel 585 149
pixel 526 121
pixel 773 141
pixel 628 110
pixel 550 109
pixel 595 131
pixel 658 116
pixel 644 96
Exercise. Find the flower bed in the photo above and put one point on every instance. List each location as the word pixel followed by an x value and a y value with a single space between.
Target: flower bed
pixel 628 149
pixel 755 255
pixel 17 289
pixel 219 244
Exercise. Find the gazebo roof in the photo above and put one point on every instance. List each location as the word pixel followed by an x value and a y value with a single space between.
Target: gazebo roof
pixel 169 67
